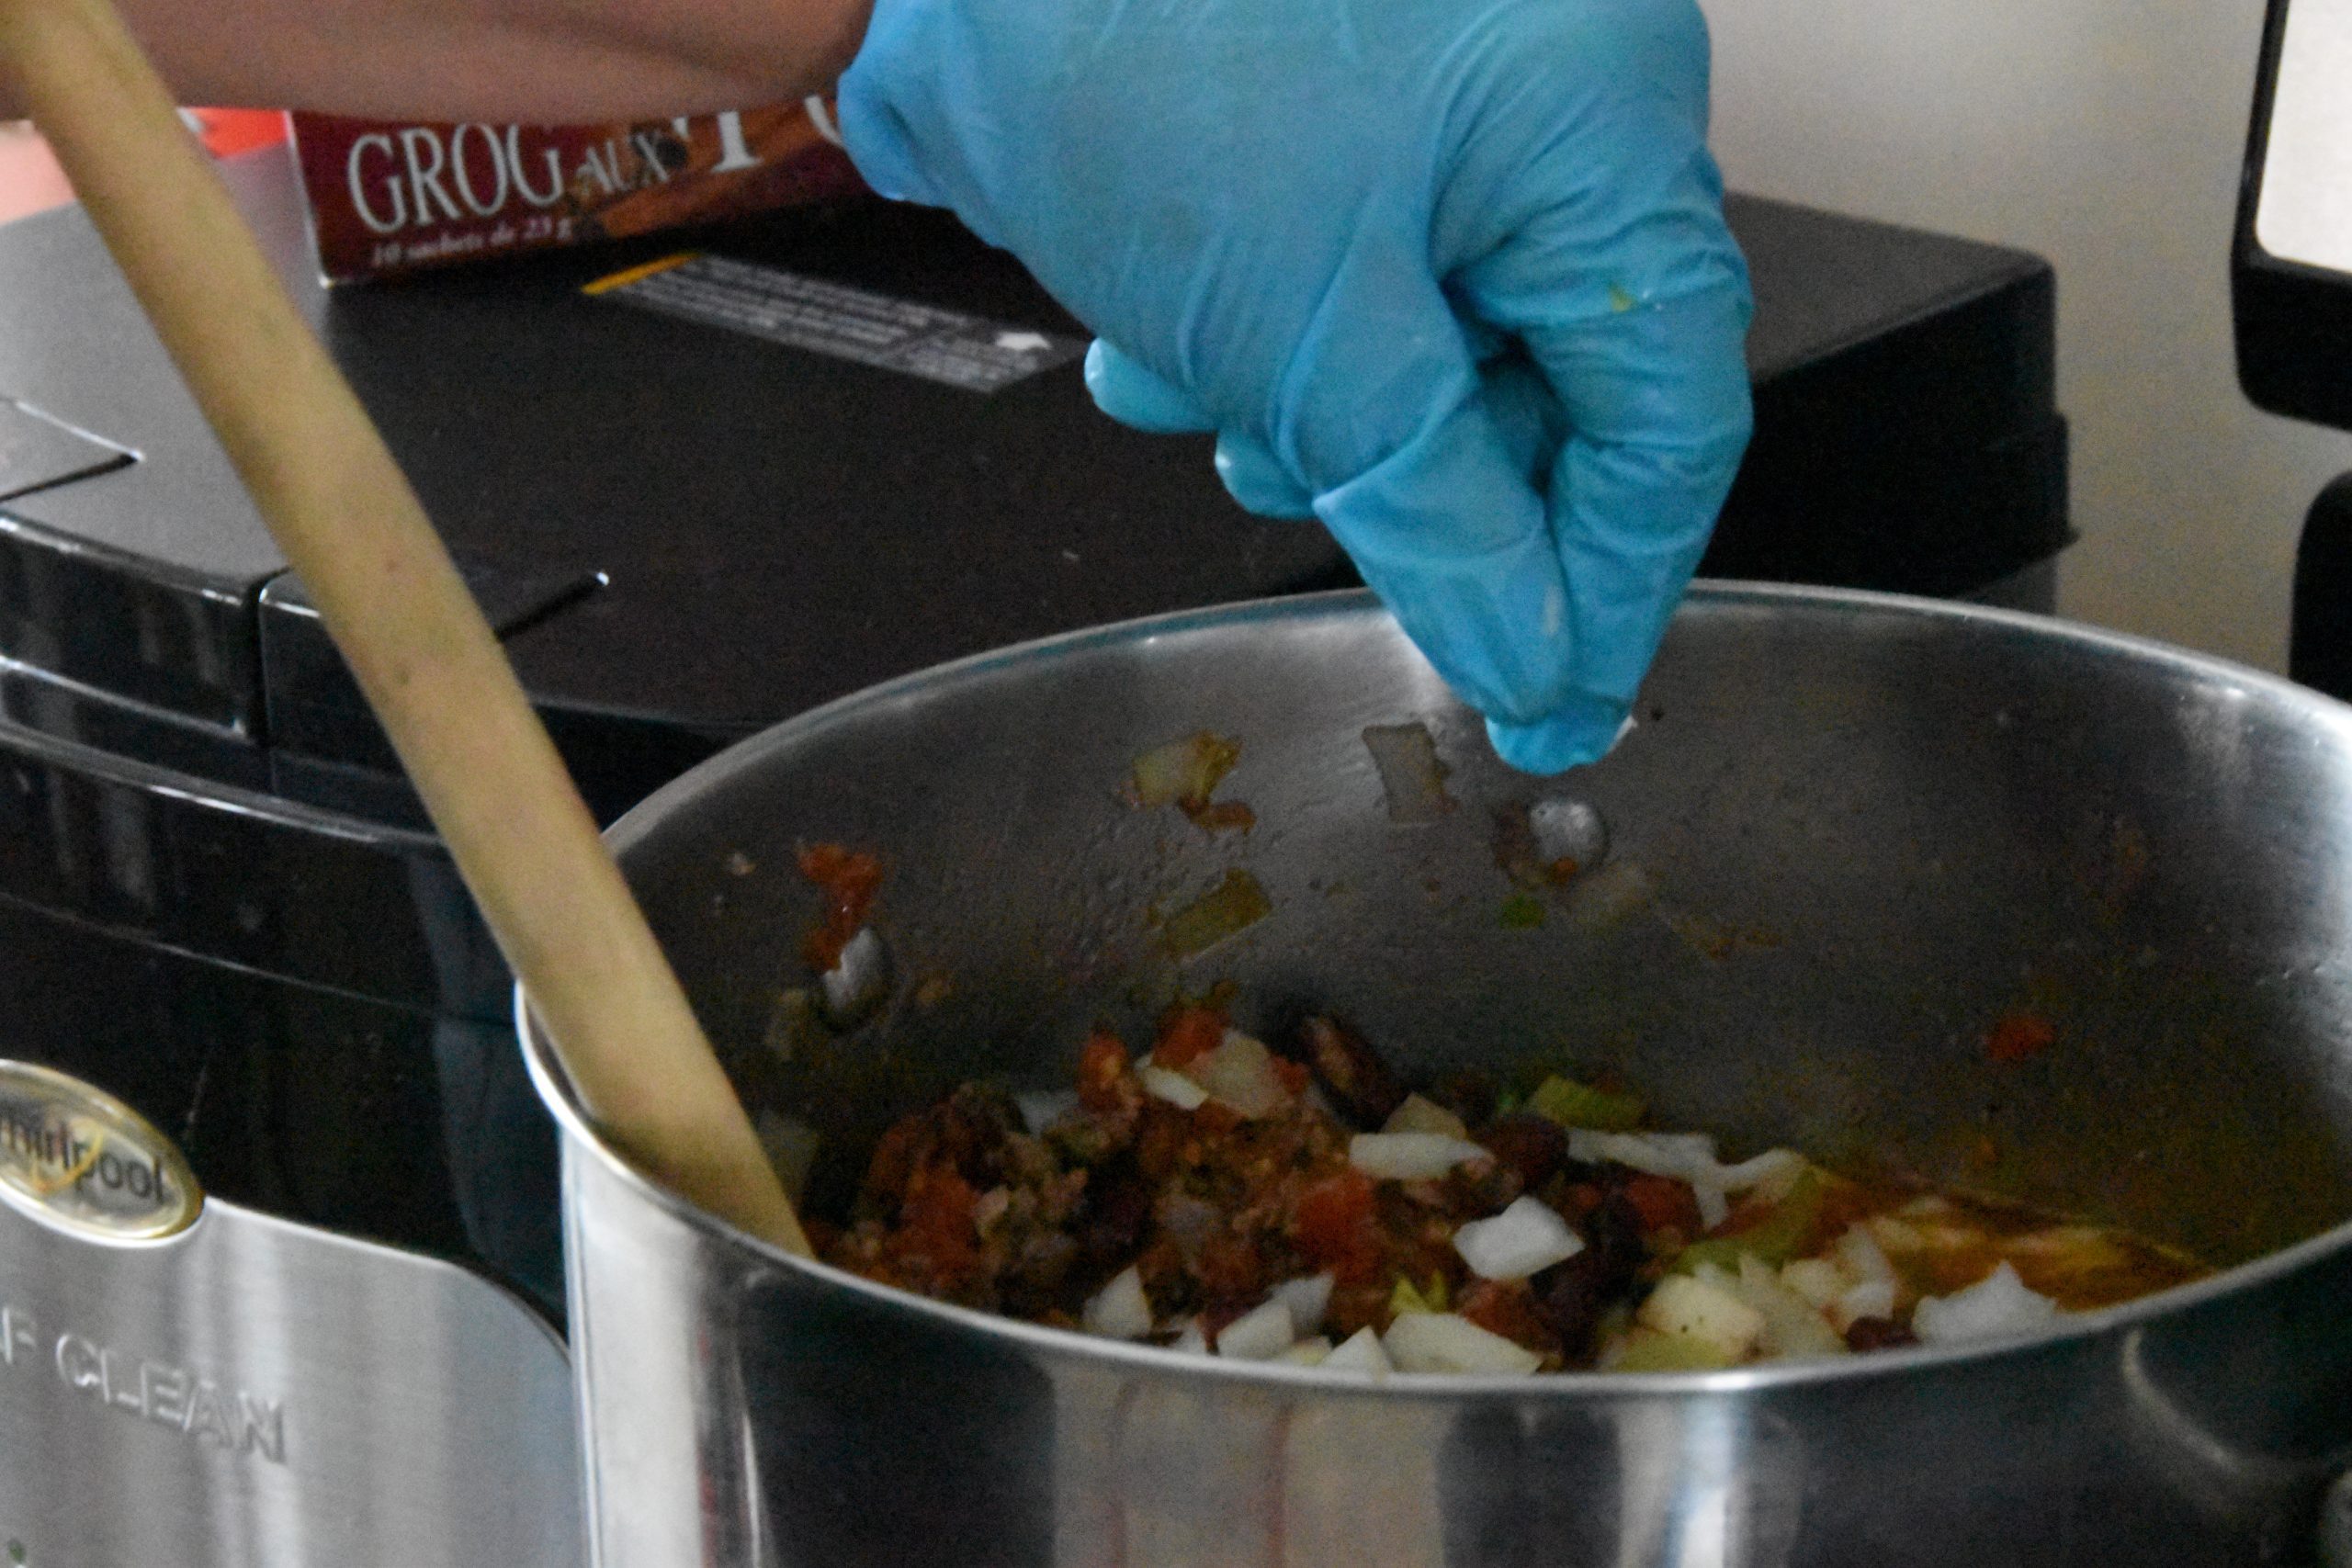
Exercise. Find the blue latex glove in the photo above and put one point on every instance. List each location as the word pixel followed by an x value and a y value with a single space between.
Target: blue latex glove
pixel 1451 275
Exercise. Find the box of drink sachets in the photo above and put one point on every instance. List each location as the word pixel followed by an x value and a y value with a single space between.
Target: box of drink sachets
pixel 389 198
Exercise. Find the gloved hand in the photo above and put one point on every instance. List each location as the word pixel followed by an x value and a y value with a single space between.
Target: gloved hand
pixel 1450 275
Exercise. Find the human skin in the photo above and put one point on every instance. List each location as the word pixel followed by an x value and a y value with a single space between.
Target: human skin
pixel 545 61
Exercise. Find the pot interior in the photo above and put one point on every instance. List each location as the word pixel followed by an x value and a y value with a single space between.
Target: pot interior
pixel 1849 837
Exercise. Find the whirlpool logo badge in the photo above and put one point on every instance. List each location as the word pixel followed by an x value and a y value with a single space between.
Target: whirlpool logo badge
pixel 85 1161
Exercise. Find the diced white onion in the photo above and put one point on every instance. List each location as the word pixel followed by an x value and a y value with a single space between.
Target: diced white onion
pixel 1524 1239
pixel 1792 1325
pixel 1192 1341
pixel 1660 1154
pixel 1758 1170
pixel 1572 830
pixel 1185 771
pixel 1041 1108
pixel 1872 1298
pixel 858 977
pixel 1240 1072
pixel 1859 1250
pixel 1877 1288
pixel 1817 1279
pixel 1996 1305
pixel 1259 1335
pixel 1447 1342
pixel 1360 1352
pixel 1420 1115
pixel 1172 1086
pixel 1119 1310
pixel 1703 1307
pixel 1307 1298
pixel 1648 1152
pixel 1411 776
pixel 1408 1156
pixel 1312 1352
pixel 1713 1207
pixel 1685 1156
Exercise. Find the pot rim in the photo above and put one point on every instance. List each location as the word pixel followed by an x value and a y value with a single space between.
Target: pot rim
pixel 2075 1331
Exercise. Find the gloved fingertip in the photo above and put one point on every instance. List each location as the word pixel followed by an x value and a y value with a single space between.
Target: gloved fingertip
pixel 1258 482
pixel 1562 741
pixel 1136 397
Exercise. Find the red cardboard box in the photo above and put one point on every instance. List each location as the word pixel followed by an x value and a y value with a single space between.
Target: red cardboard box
pixel 389 198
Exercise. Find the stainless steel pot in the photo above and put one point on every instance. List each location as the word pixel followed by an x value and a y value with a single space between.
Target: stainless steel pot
pixel 1849 835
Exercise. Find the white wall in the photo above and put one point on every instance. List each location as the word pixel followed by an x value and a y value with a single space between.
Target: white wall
pixel 2104 135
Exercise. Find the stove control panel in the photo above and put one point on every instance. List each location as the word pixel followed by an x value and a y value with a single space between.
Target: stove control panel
pixel 186 1388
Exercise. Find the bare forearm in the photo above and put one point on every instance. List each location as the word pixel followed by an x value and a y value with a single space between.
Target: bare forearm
pixel 529 60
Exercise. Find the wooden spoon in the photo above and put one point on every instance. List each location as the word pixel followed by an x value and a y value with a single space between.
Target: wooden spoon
pixel 429 664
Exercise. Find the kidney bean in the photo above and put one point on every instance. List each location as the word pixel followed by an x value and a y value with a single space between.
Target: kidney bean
pixel 1877 1334
pixel 1352 1074
pixel 1110 1221
pixel 1468 1093
pixel 1533 1145
pixel 1572 1295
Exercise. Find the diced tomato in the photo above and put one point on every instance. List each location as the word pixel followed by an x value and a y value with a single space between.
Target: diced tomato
pixel 1334 1229
pixel 850 879
pixel 2017 1035
pixel 1293 1076
pixel 1101 1072
pixel 1663 1201
pixel 1507 1307
pixel 1189 1035
pixel 937 1219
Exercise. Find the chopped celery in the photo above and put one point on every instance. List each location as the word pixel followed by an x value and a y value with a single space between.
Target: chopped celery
pixel 1234 904
pixel 1404 1298
pixel 1781 1237
pixel 1670 1353
pixel 1573 1104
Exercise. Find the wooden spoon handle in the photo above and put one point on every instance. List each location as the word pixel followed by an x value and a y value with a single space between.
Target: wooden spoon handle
pixel 429 664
